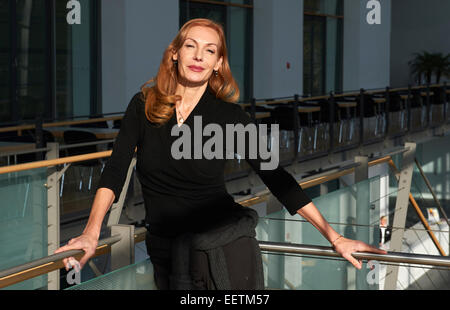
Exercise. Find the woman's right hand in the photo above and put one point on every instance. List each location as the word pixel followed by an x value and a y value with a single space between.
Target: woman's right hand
pixel 86 242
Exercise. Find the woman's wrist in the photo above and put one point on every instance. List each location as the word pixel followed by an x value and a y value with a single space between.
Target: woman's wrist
pixel 93 232
pixel 333 242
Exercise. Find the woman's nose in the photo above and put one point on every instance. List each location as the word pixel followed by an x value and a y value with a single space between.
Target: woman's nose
pixel 198 55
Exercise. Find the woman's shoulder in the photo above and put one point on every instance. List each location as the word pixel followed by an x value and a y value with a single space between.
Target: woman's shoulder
pixel 138 98
pixel 136 103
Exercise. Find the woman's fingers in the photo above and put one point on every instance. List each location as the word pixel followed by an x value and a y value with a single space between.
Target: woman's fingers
pixel 83 242
pixel 63 249
pixel 71 245
pixel 353 261
pixel 372 249
pixel 347 247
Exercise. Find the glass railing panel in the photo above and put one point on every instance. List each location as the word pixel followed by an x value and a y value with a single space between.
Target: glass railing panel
pixel 138 276
pixel 23 222
pixel 346 132
pixel 418 117
pixel 436 168
pixel 321 138
pixel 420 241
pixel 78 186
pixel 310 272
pixel 374 126
pixel 437 114
pixel 352 211
pixel 398 122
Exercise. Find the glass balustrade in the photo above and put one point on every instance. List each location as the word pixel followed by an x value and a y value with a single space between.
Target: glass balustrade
pixel 138 276
pixel 23 222
pixel 352 211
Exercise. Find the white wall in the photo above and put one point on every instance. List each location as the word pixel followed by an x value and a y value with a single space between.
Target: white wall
pixel 417 26
pixel 366 47
pixel 134 36
pixel 277 39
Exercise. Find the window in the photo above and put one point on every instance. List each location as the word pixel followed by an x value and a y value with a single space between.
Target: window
pixel 322 46
pixel 47 67
pixel 76 61
pixel 236 17
pixel 5 61
pixel 24 59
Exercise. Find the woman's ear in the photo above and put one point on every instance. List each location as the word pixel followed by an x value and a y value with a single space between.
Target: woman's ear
pixel 174 55
pixel 219 64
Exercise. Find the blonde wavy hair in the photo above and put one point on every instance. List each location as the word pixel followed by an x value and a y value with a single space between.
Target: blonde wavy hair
pixel 159 92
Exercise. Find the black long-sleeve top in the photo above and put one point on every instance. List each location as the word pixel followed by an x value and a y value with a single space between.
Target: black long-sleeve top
pixel 183 195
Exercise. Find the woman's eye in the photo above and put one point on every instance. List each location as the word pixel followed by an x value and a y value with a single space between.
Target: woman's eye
pixel 189 45
pixel 211 51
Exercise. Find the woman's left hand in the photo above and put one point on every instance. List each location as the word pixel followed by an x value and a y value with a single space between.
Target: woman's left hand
pixel 345 247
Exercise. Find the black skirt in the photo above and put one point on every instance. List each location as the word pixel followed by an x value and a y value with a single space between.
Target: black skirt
pixel 239 255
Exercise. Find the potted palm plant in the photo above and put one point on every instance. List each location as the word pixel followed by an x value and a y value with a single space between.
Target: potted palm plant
pixel 426 64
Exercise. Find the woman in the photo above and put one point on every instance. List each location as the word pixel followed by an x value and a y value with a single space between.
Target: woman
pixel 187 198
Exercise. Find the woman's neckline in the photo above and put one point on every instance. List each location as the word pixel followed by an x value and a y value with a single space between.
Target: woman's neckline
pixel 194 111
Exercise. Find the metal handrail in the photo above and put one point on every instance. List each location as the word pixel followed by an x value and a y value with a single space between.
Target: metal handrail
pixel 54 258
pixel 393 257
pixel 53 262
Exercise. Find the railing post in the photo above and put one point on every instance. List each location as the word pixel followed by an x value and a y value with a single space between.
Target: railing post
pixel 401 208
pixel 53 214
pixel 122 252
pixel 361 171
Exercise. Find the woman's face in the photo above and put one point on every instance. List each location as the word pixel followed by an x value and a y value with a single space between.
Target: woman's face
pixel 198 56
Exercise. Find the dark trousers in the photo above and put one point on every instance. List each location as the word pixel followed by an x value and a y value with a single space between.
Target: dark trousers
pixel 238 254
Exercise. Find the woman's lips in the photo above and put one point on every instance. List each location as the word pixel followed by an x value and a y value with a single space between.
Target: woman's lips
pixel 195 68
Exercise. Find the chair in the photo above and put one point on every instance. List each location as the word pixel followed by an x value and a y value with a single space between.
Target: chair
pixel 78 137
